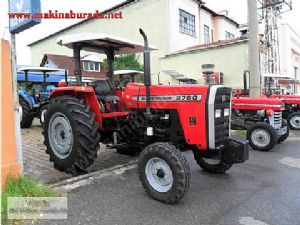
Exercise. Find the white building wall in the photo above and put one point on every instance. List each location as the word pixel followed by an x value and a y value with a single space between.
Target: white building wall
pixel 206 19
pixel 224 25
pixel 177 39
pixel 289 47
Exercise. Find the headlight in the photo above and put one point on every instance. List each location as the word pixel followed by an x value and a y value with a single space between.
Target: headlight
pixel 226 112
pixel 218 113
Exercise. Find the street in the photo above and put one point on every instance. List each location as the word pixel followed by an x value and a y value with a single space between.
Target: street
pixel 262 191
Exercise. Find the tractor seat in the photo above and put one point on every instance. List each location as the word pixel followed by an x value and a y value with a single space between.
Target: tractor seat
pixel 104 91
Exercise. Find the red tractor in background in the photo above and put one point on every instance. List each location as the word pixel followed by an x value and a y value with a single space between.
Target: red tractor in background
pixel 261 117
pixel 292 102
pixel 160 119
pixel 291 111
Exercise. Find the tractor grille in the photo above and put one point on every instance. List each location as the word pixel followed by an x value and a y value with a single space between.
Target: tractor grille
pixel 222 101
pixel 277 119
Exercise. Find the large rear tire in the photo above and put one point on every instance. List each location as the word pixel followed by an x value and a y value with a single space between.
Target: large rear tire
pixel 218 166
pixel 71 134
pixel 26 116
pixel 283 137
pixel 293 121
pixel 262 136
pixel 164 172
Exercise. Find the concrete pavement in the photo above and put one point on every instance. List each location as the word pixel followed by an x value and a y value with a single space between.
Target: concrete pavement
pixel 37 164
pixel 263 191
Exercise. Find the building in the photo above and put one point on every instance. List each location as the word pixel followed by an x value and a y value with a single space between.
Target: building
pixel 171 26
pixel 289 48
pixel 90 64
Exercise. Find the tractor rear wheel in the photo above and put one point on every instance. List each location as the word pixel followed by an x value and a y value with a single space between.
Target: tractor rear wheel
pixel 262 136
pixel 293 121
pixel 283 137
pixel 26 116
pixel 218 166
pixel 42 113
pixel 164 172
pixel 71 134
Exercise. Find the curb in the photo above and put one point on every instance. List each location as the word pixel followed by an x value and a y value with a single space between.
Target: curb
pixel 83 180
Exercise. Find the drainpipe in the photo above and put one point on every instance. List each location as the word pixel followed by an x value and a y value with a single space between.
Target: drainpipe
pixel 16 101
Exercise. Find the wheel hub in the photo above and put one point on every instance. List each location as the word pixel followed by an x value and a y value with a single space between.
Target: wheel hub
pixel 260 137
pixel 295 121
pixel 60 135
pixel 159 174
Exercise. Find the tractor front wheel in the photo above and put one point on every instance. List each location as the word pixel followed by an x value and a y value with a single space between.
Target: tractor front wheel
pixel 293 121
pixel 71 134
pixel 283 137
pixel 164 172
pixel 218 166
pixel 26 116
pixel 262 136
pixel 43 112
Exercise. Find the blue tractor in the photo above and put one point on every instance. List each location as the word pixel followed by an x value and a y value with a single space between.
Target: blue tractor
pixel 33 98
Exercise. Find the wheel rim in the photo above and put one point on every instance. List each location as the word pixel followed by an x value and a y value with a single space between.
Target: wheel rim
pixel 20 112
pixel 295 121
pixel 60 135
pixel 159 174
pixel 260 137
pixel 43 113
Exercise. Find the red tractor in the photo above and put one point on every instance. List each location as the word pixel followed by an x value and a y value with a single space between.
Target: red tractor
pixel 291 111
pixel 261 117
pixel 159 119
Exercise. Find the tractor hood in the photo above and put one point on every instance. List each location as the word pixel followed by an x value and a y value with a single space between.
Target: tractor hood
pixel 288 99
pixel 164 93
pixel 248 103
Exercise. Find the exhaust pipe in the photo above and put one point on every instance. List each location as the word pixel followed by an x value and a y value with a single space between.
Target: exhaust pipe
pixel 147 71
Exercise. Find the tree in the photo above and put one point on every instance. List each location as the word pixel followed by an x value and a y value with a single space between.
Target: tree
pixel 125 62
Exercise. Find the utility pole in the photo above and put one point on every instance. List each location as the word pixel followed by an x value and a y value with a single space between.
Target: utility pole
pixel 253 50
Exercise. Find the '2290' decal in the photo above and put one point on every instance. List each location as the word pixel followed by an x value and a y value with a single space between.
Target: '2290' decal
pixel 169 98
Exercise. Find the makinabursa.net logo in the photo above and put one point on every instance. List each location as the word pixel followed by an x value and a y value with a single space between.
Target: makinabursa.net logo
pixel 55 14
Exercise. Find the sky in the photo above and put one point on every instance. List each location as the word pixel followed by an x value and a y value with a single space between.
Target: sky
pixel 237 11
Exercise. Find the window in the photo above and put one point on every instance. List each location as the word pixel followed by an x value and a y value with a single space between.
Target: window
pixel 229 36
pixel 186 23
pixel 206 34
pixel 91 66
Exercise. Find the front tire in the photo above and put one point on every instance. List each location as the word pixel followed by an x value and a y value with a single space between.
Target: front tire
pixel 71 134
pixel 26 117
pixel 262 136
pixel 293 121
pixel 283 137
pixel 164 172
pixel 43 112
pixel 218 166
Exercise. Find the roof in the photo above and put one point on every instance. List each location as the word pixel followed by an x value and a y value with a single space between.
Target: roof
pixel 38 77
pixel 210 45
pixel 39 69
pixel 215 14
pixel 68 63
pixel 101 42
pixel 125 3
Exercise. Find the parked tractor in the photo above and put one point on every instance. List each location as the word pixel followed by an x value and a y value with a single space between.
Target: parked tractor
pixel 291 111
pixel 161 119
pixel 261 117
pixel 34 99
